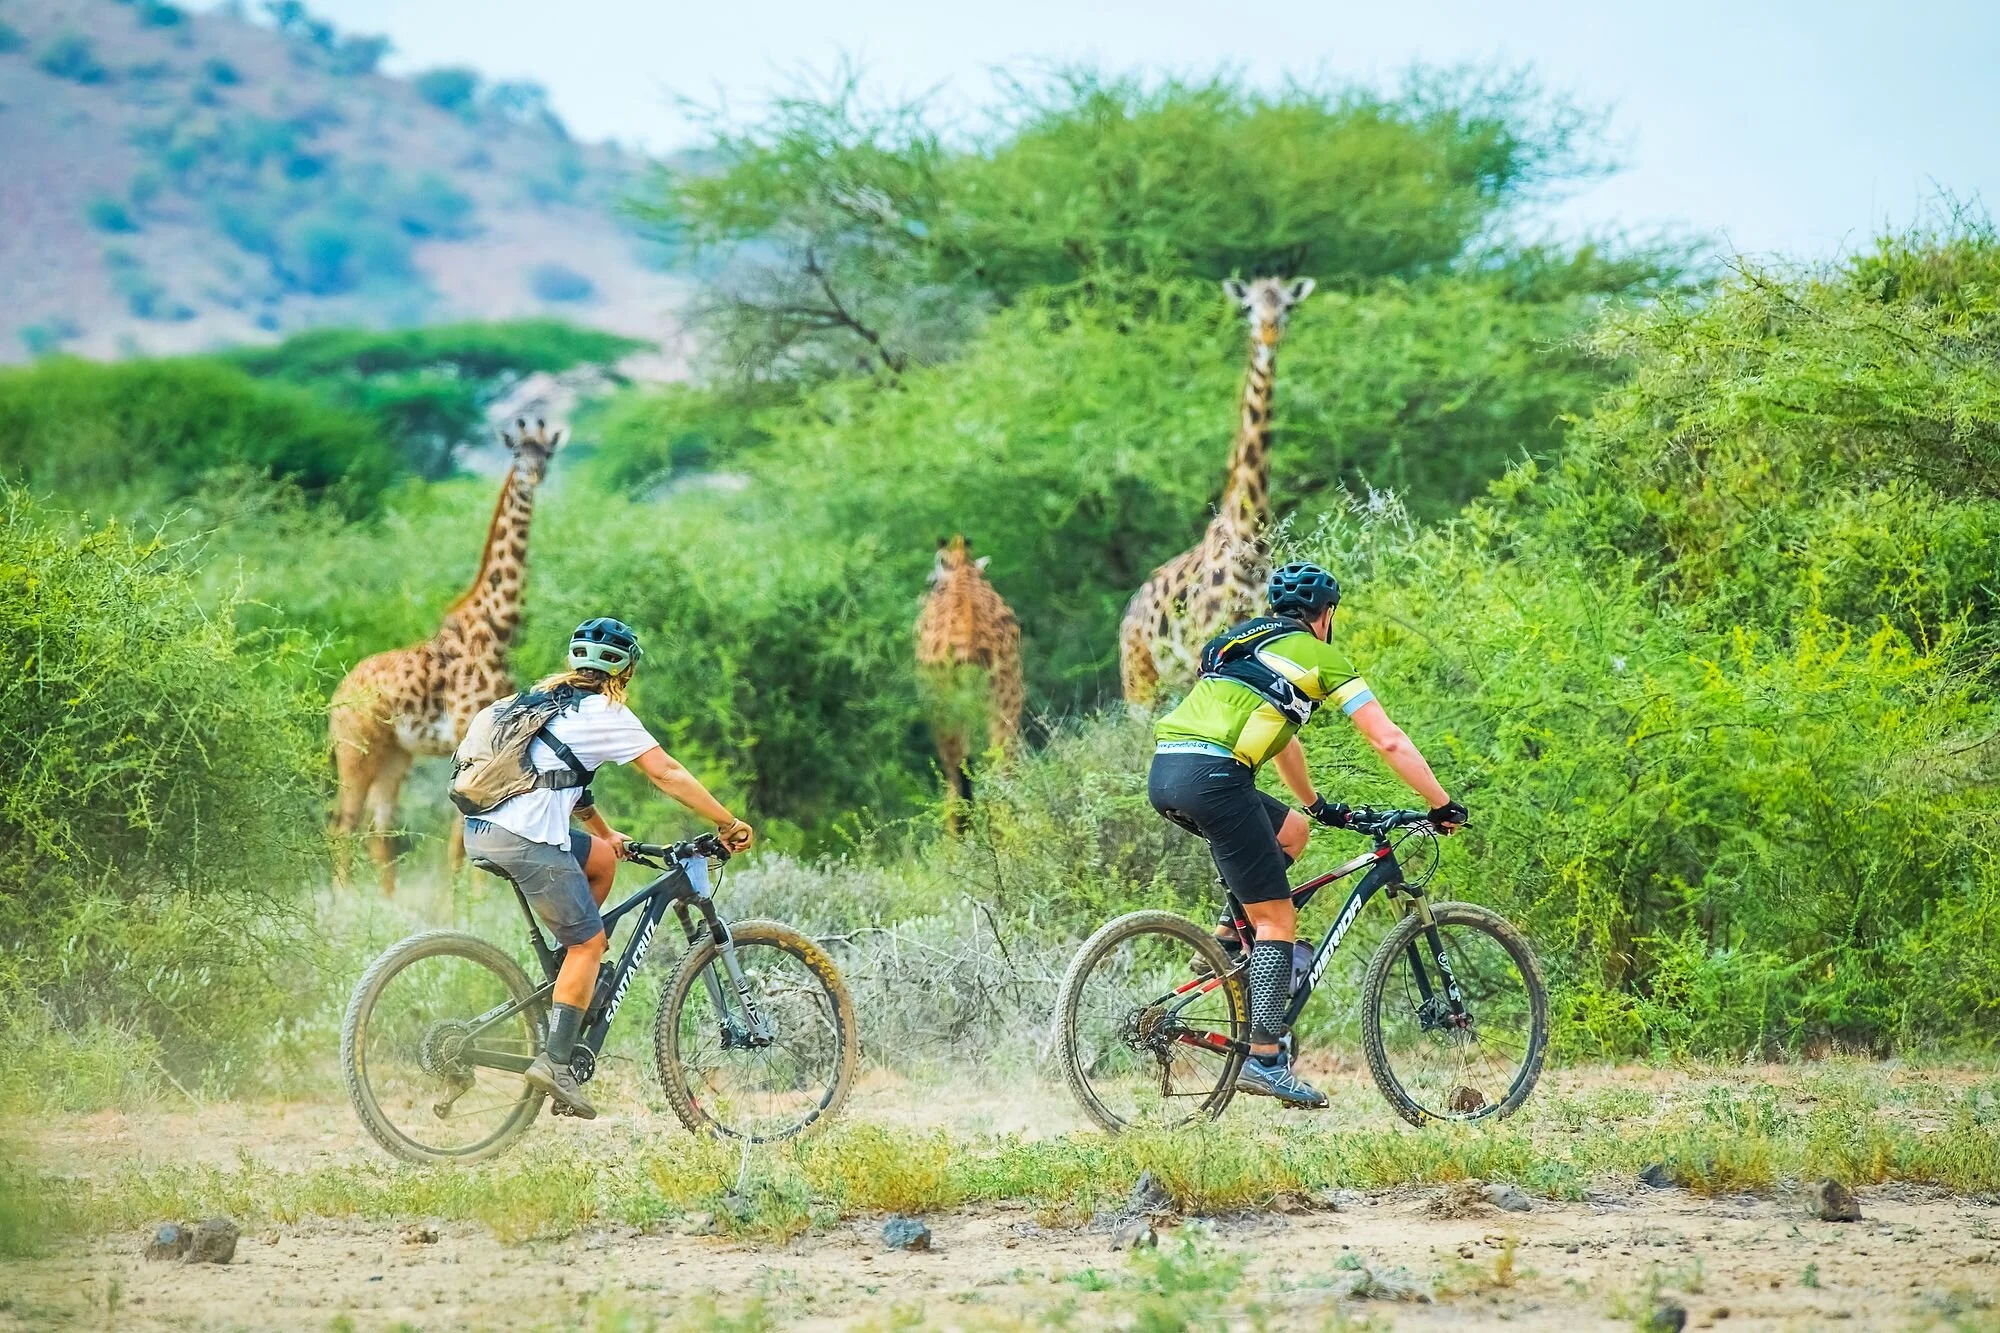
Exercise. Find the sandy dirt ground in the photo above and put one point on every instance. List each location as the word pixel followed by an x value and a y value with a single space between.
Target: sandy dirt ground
pixel 1919 1259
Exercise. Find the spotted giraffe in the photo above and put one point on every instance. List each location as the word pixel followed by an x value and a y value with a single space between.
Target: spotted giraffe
pixel 968 663
pixel 1221 580
pixel 398 705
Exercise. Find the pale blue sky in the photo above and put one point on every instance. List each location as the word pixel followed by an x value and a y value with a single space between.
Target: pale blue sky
pixel 1783 126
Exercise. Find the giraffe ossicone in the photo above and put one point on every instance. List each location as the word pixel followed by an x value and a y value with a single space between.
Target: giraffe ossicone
pixel 1221 579
pixel 409 702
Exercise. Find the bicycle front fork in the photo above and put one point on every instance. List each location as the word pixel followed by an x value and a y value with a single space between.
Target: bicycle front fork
pixel 1435 1010
pixel 744 1022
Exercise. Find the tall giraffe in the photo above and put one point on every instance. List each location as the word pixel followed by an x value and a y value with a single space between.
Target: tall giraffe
pixel 1221 579
pixel 413 701
pixel 968 662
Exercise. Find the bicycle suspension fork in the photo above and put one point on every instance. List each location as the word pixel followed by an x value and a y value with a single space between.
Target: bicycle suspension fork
pixel 1454 999
pixel 753 1026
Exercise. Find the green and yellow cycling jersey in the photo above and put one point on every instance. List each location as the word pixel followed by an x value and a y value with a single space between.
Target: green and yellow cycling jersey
pixel 1231 716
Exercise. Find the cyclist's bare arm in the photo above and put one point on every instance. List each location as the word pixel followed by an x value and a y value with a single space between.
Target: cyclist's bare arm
pixel 675 782
pixel 1291 766
pixel 1398 752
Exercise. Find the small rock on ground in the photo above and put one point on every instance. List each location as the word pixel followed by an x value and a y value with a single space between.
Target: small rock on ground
pixel 1462 1199
pixel 1149 1196
pixel 170 1241
pixel 906 1233
pixel 1667 1317
pixel 1656 1177
pixel 1137 1234
pixel 1837 1202
pixel 420 1234
pixel 214 1241
pixel 1509 1197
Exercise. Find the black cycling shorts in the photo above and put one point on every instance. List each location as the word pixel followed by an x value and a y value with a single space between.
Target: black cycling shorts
pixel 1217 799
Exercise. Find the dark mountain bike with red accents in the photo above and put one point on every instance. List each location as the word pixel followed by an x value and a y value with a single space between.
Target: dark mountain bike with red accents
pixel 755 1036
pixel 1454 1013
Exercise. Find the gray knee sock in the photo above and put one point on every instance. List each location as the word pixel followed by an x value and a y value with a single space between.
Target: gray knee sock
pixel 564 1021
pixel 1270 989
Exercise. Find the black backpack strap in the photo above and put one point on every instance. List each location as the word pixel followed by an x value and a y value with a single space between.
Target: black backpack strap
pixel 552 780
pixel 1233 656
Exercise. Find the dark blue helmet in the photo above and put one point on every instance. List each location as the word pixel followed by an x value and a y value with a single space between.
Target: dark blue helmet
pixel 1302 591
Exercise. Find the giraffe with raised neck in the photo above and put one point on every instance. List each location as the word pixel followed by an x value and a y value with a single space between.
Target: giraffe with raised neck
pixel 968 665
pixel 1221 580
pixel 408 702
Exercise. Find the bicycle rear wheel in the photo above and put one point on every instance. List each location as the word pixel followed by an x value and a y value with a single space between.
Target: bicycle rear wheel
pixel 1432 1065
pixel 1144 1041
pixel 770 1069
pixel 415 1052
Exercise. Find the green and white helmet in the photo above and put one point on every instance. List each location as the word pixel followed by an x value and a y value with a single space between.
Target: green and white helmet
pixel 605 645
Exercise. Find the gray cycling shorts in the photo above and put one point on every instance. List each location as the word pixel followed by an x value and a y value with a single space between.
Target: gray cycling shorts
pixel 551 878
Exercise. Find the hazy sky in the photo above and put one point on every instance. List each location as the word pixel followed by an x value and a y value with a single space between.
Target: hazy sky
pixel 1787 125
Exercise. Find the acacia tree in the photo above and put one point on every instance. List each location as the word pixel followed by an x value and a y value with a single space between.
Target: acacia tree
pixel 839 233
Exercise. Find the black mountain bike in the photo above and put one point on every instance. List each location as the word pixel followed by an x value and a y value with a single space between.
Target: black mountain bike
pixel 755 1036
pixel 1454 1015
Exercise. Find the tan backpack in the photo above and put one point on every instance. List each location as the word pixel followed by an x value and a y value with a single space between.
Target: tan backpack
pixel 491 765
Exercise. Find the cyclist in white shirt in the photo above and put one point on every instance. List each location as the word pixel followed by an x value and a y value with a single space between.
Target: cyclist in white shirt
pixel 565 873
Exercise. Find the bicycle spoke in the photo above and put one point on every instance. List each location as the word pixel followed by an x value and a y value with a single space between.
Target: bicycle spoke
pixel 1451 1072
pixel 1125 1037
pixel 766 1091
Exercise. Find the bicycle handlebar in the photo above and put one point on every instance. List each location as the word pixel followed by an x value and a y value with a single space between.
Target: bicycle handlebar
pixel 708 845
pixel 1380 823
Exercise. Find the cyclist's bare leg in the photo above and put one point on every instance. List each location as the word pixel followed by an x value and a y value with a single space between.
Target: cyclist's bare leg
pixel 600 868
pixel 1292 837
pixel 579 972
pixel 1293 834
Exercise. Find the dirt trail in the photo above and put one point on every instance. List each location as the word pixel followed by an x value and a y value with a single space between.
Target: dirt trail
pixel 1918 1260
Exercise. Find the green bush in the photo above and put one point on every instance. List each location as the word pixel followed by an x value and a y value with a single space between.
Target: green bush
pixel 148 430
pixel 164 800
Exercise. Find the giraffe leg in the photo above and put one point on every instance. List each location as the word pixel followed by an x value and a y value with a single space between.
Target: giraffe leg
pixel 355 768
pixel 382 802
pixel 1003 713
pixel 1138 672
pixel 951 748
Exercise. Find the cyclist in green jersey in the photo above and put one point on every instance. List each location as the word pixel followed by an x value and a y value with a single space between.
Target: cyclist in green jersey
pixel 1260 682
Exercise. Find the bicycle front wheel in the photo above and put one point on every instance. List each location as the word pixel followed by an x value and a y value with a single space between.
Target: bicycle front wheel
pixel 432 1045
pixel 765 1061
pixel 1433 1064
pixel 1146 1039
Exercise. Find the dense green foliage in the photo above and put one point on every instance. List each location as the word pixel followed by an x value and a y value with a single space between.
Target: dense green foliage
pixel 164 795
pixel 427 388
pixel 841 234
pixel 145 430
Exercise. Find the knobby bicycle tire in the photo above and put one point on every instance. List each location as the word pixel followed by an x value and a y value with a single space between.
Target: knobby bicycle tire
pixel 1069 997
pixel 674 1079
pixel 1391 952
pixel 353 1061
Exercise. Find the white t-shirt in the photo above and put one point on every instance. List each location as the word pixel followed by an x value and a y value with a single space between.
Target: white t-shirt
pixel 598 732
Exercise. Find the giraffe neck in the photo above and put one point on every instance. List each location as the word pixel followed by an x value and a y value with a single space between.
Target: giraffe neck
pixel 494 599
pixel 1246 493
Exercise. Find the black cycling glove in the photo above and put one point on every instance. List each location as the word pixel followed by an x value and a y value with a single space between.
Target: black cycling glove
pixel 1333 816
pixel 1451 812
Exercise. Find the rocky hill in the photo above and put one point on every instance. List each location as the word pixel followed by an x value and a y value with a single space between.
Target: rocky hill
pixel 170 181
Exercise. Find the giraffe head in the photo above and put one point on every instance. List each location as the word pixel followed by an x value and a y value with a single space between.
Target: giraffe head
pixel 953 555
pixel 532 449
pixel 1267 302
